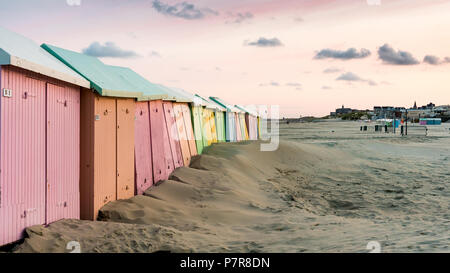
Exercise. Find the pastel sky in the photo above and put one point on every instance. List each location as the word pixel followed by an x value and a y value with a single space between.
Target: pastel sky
pixel 307 56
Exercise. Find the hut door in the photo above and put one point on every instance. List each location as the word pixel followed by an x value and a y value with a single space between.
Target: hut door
pixel 167 148
pixel 143 148
pixel 207 137
pixel 238 127
pixel 197 128
pixel 173 135
pixel 189 131
pixel 63 138
pixel 212 122
pixel 228 127
pixel 105 189
pixel 184 144
pixel 157 127
pixel 125 148
pixel 22 176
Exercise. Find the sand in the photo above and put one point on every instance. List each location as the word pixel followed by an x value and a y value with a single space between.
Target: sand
pixel 328 188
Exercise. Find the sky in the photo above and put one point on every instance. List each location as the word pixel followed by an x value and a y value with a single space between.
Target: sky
pixel 307 56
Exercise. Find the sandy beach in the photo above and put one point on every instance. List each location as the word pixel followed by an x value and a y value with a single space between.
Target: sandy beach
pixel 328 188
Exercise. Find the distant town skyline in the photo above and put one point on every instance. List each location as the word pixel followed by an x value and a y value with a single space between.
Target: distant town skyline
pixel 414 106
pixel 307 56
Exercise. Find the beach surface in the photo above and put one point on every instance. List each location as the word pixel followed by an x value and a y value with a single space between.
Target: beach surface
pixel 328 188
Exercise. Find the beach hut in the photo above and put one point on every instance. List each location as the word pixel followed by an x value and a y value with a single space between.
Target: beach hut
pixel 107 167
pixel 243 124
pixel 220 123
pixel 207 129
pixel 251 122
pixel 156 149
pixel 168 123
pixel 209 122
pixel 232 127
pixel 259 128
pixel 212 124
pixel 238 124
pixel 196 110
pixel 251 119
pixel 254 135
pixel 181 127
pixel 218 112
pixel 39 137
pixel 187 116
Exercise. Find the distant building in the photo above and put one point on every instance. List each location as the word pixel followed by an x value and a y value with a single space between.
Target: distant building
pixel 388 112
pixel 429 106
pixel 343 111
pixel 443 109
pixel 381 112
pixel 425 111
pixel 415 114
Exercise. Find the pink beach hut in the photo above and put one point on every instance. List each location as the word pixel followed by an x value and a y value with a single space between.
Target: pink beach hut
pixel 39 136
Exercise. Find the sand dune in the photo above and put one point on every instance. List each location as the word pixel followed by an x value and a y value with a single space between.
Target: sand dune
pixel 326 189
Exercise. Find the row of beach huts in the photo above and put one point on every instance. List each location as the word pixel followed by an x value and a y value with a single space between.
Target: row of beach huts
pixel 76 134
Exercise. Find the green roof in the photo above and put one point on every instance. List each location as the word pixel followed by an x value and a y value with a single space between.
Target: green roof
pixel 19 51
pixel 253 113
pixel 228 106
pixel 150 91
pixel 211 104
pixel 110 81
pixel 175 95
pixel 194 100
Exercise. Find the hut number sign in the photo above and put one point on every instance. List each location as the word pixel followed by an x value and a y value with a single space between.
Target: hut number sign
pixel 7 93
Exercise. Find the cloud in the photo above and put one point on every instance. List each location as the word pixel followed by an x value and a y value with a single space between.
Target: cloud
pixel 109 49
pixel 389 56
pixel 182 10
pixel 332 70
pixel 297 85
pixel 154 54
pixel 132 35
pixel 352 77
pixel 351 53
pixel 237 18
pixel 430 59
pixel 73 2
pixel 372 83
pixel 433 60
pixel 272 83
pixel 349 76
pixel 264 42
